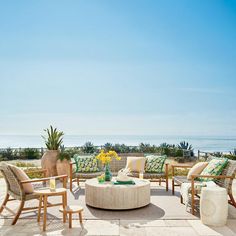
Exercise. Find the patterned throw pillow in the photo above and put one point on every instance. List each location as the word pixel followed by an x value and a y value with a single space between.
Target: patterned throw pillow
pixel 86 164
pixel 154 164
pixel 215 168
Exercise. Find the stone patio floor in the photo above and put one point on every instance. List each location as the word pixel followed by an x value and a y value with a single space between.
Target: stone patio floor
pixel 181 227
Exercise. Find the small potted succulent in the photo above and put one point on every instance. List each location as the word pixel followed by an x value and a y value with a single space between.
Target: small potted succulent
pixel 63 162
pixel 53 140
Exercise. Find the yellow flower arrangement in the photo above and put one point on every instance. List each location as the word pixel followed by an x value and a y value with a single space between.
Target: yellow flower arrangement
pixel 106 157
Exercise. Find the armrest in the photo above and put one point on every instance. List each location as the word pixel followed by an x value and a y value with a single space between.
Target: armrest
pixel 212 176
pixel 43 179
pixel 181 166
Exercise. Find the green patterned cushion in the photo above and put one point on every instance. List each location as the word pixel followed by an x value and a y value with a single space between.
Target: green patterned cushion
pixel 215 168
pixel 154 164
pixel 86 164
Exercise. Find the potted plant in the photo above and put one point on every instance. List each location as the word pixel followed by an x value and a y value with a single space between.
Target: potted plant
pixel 53 140
pixel 63 162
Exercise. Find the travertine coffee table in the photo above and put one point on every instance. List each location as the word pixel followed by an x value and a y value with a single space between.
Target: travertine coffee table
pixel 117 197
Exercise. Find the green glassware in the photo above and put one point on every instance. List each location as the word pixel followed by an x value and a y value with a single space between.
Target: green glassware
pixel 108 174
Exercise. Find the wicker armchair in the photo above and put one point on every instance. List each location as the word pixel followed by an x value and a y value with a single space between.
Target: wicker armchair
pixel 224 180
pixel 16 191
pixel 115 166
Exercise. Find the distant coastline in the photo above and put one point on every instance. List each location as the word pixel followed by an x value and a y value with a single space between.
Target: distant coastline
pixel 203 143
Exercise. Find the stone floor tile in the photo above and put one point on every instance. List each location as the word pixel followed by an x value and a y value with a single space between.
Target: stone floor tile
pixel 177 223
pixel 202 229
pixel 170 231
pixel 132 231
pixel 101 227
pixel 142 223
pixel 232 225
pixel 225 230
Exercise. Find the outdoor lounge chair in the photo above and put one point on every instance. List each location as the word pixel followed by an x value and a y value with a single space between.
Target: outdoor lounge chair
pixel 16 191
pixel 224 180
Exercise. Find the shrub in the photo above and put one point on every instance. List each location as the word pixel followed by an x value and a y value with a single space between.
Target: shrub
pixel 88 147
pixel 8 154
pixel 30 153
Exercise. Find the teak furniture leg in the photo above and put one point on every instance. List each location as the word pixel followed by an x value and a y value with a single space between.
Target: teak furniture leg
pixel 232 201
pixel 40 206
pixel 173 186
pixel 193 193
pixel 166 173
pixel 80 218
pixel 44 212
pixel 70 220
pixel 4 202
pixel 64 202
pixel 181 199
pixel 18 212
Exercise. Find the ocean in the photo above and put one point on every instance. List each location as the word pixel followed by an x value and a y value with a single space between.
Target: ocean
pixel 203 143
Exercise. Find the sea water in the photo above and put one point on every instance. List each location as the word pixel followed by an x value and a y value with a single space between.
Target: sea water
pixel 203 143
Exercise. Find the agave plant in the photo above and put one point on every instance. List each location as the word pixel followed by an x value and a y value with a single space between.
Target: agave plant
pixel 233 153
pixel 53 139
pixel 185 145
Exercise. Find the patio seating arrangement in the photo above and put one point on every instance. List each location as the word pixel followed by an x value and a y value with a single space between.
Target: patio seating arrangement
pixel 22 190
pixel 117 165
pixel 225 180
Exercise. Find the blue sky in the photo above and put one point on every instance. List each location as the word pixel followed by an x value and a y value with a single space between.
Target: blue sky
pixel 118 67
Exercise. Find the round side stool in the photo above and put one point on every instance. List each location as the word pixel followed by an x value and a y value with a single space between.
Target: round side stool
pixel 70 210
pixel 214 206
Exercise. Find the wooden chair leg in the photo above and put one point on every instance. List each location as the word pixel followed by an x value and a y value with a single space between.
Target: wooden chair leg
pixel 232 200
pixel 173 187
pixel 40 207
pixel 45 203
pixel 160 182
pixel 77 181
pixel 70 220
pixel 71 185
pixel 4 202
pixel 18 212
pixel 192 197
pixel 64 203
pixel 181 199
pixel 80 218
pixel 167 184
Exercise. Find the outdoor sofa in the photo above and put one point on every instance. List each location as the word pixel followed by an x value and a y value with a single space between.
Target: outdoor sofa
pixel 115 166
pixel 225 180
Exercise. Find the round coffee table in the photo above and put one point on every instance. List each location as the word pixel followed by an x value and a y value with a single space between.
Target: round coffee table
pixel 117 197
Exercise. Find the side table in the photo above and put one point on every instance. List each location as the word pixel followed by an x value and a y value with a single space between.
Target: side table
pixel 43 197
pixel 214 206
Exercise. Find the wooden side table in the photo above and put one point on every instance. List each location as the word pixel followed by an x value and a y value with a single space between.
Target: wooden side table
pixel 70 210
pixel 43 197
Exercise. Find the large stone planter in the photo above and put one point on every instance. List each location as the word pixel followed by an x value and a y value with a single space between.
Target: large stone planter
pixel 49 162
pixel 63 167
